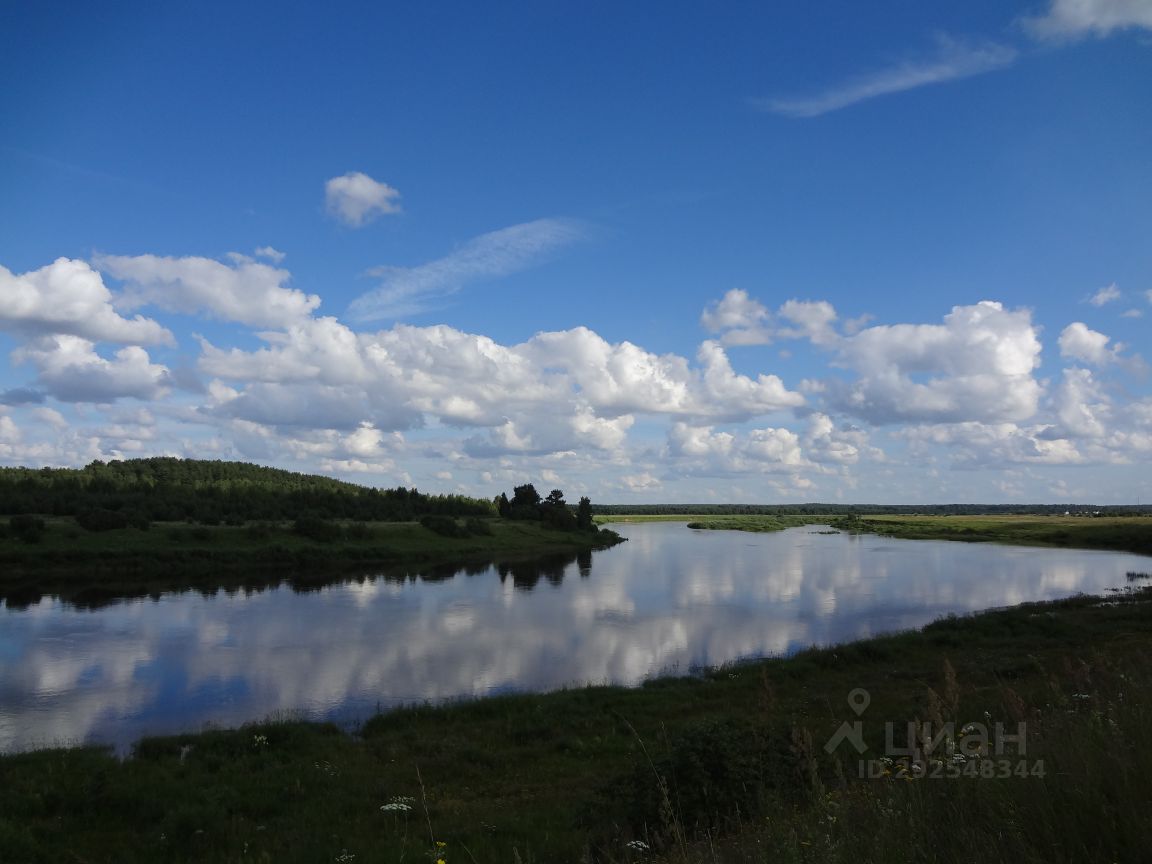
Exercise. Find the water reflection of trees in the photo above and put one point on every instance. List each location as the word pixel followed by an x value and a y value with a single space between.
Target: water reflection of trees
pixel 525 575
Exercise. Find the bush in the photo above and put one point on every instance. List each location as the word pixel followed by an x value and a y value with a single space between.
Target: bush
pixel 477 526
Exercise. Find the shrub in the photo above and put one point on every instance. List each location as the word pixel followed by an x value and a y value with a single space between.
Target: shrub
pixel 477 526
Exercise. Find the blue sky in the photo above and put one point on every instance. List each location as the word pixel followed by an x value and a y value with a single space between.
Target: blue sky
pixel 780 252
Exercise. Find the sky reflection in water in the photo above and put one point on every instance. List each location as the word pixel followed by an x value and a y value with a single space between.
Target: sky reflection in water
pixel 668 600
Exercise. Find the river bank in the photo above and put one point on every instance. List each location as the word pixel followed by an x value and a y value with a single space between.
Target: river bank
pixel 729 765
pixel 1122 534
pixel 93 567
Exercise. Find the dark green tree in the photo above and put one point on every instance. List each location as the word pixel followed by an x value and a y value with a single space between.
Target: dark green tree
pixel 584 514
pixel 525 496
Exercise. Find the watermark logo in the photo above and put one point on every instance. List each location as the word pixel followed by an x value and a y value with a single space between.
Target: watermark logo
pixel 858 701
pixel 944 749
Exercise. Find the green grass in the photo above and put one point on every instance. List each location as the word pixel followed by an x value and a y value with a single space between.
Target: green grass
pixel 726 766
pixel 1131 534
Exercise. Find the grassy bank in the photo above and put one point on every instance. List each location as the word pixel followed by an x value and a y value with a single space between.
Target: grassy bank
pixel 93 566
pixel 1126 533
pixel 724 767
pixel 1129 534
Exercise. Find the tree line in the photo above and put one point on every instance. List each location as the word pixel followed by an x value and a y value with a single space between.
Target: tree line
pixel 552 510
pixel 167 489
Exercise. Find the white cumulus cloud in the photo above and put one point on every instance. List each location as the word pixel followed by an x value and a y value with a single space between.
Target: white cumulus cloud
pixel 700 451
pixel 739 319
pixel 247 292
pixel 356 199
pixel 972 444
pixel 1081 406
pixel 70 369
pixel 69 297
pixel 1079 342
pixel 976 366
pixel 1072 19
pixel 557 392
pixel 811 319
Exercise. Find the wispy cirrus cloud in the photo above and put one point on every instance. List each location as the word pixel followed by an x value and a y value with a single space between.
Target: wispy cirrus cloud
pixel 951 60
pixel 1105 295
pixel 410 290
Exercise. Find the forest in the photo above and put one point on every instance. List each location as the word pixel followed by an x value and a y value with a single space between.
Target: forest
pixel 166 489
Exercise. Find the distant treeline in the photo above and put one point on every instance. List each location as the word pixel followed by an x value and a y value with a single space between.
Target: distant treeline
pixel 165 489
pixel 869 509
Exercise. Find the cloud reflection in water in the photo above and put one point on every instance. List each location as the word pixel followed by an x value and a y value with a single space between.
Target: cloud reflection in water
pixel 669 600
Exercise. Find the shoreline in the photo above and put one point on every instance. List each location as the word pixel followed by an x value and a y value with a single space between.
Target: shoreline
pixel 95 569
pixel 582 768
pixel 1114 533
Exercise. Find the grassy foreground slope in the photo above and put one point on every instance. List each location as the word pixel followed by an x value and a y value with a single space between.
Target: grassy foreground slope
pixel 725 767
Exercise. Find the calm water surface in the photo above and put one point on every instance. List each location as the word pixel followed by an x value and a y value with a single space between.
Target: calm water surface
pixel 668 600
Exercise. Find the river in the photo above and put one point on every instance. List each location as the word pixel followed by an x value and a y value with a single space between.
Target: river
pixel 668 601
